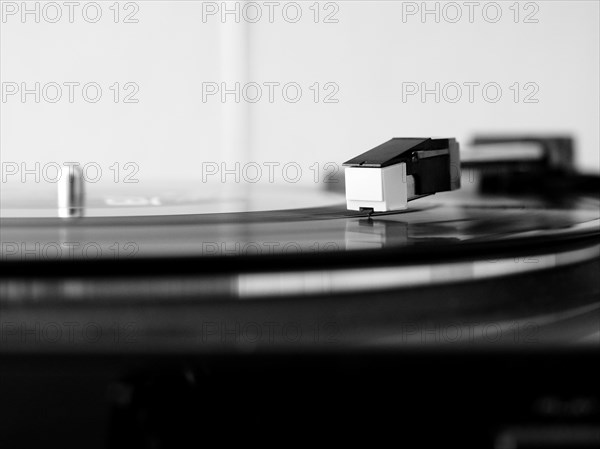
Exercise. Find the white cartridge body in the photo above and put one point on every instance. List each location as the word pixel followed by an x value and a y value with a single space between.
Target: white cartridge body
pixel 381 189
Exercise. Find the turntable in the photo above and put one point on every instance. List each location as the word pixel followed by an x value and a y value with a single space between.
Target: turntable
pixel 429 282
pixel 509 257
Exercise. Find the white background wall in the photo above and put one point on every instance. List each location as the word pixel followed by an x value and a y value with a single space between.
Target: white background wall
pixel 371 50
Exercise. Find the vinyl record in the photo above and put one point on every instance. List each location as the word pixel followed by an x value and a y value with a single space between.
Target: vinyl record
pixel 456 267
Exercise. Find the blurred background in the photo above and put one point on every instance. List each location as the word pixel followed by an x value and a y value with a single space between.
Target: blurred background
pixel 154 82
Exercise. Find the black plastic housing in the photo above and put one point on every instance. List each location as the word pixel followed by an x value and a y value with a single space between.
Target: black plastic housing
pixel 433 163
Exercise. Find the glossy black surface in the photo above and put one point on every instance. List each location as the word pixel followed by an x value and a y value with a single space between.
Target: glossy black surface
pixel 447 224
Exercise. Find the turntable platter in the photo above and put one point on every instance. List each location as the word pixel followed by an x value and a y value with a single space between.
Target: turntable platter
pixel 308 261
